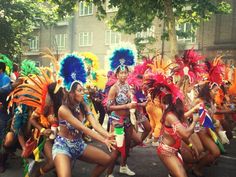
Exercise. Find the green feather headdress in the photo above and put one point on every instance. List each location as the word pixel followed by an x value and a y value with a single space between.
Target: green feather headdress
pixel 8 63
pixel 29 67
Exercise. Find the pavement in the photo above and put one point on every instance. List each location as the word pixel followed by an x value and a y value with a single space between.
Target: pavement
pixel 142 160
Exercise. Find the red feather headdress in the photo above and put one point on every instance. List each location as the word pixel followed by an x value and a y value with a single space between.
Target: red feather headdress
pixel 159 85
pixel 136 77
pixel 190 65
pixel 215 71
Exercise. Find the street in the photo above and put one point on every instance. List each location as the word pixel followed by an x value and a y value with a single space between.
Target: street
pixel 145 163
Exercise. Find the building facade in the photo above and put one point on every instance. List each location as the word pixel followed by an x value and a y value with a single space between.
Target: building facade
pixel 85 33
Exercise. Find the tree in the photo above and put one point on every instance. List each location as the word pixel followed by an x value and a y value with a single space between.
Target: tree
pixel 18 19
pixel 137 15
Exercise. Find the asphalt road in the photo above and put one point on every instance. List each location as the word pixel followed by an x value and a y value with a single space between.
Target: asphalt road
pixel 144 161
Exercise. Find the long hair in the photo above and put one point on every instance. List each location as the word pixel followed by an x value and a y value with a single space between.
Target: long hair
pixel 177 108
pixel 2 66
pixel 55 97
pixel 204 93
pixel 69 101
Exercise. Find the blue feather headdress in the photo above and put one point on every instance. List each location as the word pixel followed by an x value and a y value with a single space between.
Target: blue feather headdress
pixel 72 70
pixel 124 54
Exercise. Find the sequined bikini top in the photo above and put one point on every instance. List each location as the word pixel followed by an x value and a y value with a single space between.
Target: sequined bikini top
pixel 123 96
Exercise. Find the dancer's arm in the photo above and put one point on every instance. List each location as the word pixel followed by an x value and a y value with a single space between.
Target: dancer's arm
pixel 112 107
pixel 94 122
pixel 179 128
pixel 65 114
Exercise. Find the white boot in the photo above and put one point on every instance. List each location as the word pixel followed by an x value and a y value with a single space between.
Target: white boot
pixel 125 170
pixel 110 175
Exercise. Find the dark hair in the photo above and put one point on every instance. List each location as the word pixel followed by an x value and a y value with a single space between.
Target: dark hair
pixel 204 93
pixel 15 67
pixel 2 66
pixel 177 108
pixel 70 101
pixel 55 97
pixel 119 69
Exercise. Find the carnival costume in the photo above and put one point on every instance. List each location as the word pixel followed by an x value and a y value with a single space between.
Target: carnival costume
pixel 154 111
pixel 31 94
pixel 158 85
pixel 121 56
pixel 72 71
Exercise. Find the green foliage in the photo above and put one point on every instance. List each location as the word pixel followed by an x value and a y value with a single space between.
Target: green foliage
pixel 138 15
pixel 141 45
pixel 18 19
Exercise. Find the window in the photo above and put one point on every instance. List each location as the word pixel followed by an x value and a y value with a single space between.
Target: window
pixel 34 43
pixel 110 9
pixel 37 63
pixel 146 34
pixel 85 9
pixel 85 38
pixel 60 41
pixel 112 37
pixel 186 28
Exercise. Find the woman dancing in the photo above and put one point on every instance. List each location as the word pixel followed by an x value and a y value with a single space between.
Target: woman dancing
pixel 120 102
pixel 173 129
pixel 69 144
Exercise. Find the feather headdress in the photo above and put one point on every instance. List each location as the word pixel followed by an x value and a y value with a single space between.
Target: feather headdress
pixel 121 55
pixel 232 88
pixel 49 55
pixel 33 92
pixel 28 67
pixel 136 77
pixel 8 63
pixel 159 85
pixel 215 71
pixel 90 60
pixel 72 70
pixel 159 65
pixel 189 65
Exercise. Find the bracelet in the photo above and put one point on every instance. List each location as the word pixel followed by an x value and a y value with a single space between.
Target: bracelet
pixel 190 145
pixel 42 130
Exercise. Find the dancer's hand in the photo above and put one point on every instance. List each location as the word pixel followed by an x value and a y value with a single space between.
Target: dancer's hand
pixel 195 117
pixel 47 132
pixel 110 144
pixel 142 104
pixel 194 152
pixel 132 105
pixel 111 136
pixel 197 106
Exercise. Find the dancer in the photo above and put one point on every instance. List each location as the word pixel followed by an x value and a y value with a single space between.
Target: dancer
pixel 119 101
pixel 207 93
pixel 173 130
pixel 69 144
pixel 190 68
pixel 54 101
pixel 141 122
